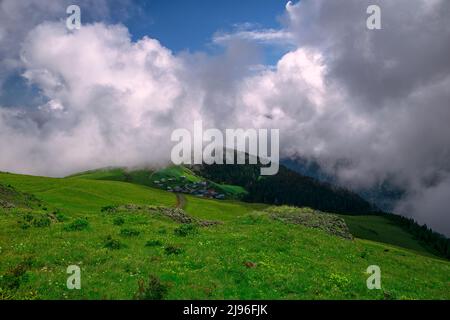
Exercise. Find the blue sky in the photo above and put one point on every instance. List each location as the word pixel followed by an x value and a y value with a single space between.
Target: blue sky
pixel 190 25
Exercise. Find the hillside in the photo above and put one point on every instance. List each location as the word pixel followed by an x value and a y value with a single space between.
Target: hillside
pixel 286 187
pixel 129 243
pixel 306 192
pixel 242 182
pixel 381 229
pixel 174 178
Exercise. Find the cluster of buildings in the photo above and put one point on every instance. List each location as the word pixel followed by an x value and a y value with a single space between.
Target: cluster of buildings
pixel 200 189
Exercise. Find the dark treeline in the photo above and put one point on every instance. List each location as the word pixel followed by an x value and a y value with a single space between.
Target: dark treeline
pixel 426 236
pixel 287 187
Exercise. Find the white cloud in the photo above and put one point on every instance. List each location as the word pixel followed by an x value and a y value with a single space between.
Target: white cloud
pixel 112 101
pixel 265 36
pixel 429 206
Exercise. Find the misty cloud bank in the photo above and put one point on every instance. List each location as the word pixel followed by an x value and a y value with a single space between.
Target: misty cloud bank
pixel 369 106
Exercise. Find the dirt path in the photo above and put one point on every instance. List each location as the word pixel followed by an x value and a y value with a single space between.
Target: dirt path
pixel 181 201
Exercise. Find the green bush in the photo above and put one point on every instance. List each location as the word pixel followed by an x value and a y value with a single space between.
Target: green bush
pixel 113 244
pixel 118 221
pixel 35 220
pixel 28 217
pixel 108 209
pixel 153 243
pixel 42 222
pixel 15 276
pixel 186 230
pixel 60 217
pixel 175 250
pixel 162 230
pixel 154 289
pixel 129 233
pixel 77 225
pixel 339 280
pixel 24 225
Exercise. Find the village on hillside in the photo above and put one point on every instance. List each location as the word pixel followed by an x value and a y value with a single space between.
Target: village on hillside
pixel 203 189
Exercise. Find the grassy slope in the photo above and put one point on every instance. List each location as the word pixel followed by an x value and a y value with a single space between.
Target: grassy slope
pixel 146 177
pixel 370 227
pixel 115 174
pixel 80 195
pixel 291 261
pixel 381 229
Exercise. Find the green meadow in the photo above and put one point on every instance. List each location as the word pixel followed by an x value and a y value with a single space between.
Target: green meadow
pixel 230 250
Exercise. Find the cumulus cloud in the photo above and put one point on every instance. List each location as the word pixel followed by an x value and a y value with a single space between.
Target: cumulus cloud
pixel 393 87
pixel 369 106
pixel 17 18
pixel 112 101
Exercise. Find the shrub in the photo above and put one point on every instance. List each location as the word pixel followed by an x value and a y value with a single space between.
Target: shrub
pixel 153 243
pixel 129 233
pixel 77 225
pixel 173 250
pixel 108 209
pixel 15 276
pixel 24 225
pixel 113 244
pixel 154 289
pixel 185 230
pixel 60 217
pixel 339 280
pixel 162 230
pixel 118 221
pixel 26 221
pixel 35 220
pixel 41 222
